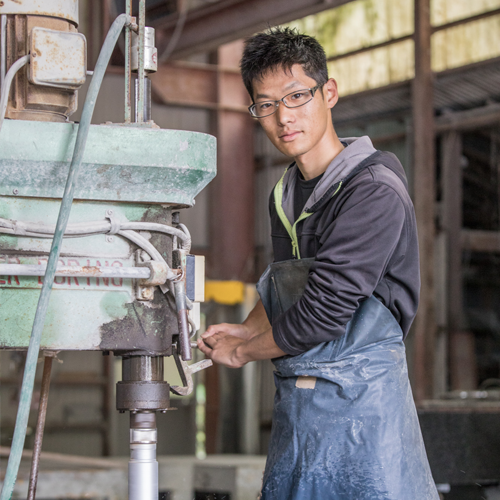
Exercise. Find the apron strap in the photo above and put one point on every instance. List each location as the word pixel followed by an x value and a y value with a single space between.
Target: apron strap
pixel 388 160
pixel 291 230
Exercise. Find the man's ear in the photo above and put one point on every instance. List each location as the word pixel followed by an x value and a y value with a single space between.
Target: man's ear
pixel 330 93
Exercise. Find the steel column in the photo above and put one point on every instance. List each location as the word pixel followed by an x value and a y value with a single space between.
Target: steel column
pixel 128 71
pixel 424 200
pixel 143 466
pixel 40 425
pixel 233 189
pixel 461 344
pixel 232 204
pixel 452 222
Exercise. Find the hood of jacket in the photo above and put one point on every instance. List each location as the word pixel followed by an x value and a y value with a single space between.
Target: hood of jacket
pixel 357 150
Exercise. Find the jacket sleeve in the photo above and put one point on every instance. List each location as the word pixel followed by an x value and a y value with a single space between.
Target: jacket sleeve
pixel 354 252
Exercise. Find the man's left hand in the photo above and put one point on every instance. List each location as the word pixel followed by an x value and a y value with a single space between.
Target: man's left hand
pixel 222 349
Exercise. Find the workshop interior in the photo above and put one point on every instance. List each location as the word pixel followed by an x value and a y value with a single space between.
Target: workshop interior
pixel 134 189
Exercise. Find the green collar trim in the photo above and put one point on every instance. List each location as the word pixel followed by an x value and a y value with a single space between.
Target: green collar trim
pixel 291 229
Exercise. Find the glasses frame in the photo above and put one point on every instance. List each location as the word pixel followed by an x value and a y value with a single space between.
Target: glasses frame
pixel 313 90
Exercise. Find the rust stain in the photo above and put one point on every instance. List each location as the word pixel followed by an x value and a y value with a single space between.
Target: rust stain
pixel 87 270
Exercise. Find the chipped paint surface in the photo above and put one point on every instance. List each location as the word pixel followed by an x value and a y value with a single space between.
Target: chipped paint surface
pixel 88 313
pixel 120 163
pixel 64 9
pixel 78 308
pixel 137 173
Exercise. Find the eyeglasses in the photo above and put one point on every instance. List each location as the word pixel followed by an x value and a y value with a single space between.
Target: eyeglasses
pixel 292 100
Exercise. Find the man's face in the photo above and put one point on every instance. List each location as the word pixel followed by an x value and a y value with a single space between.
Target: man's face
pixel 296 131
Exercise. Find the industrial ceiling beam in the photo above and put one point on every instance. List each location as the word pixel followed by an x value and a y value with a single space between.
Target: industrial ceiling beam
pixel 215 24
pixel 195 85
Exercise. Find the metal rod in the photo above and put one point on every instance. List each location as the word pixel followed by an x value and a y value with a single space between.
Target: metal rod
pixel 147 99
pixel 3 48
pixel 77 271
pixel 140 72
pixel 40 424
pixel 143 467
pixel 128 69
pixel 182 320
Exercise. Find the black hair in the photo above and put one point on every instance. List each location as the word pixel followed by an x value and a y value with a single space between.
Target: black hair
pixel 281 48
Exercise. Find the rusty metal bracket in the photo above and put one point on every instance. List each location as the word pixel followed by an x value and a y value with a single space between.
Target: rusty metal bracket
pixel 132 25
pixel 186 372
pixel 159 272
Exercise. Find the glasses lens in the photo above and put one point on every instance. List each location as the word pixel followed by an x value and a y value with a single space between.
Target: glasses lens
pixel 298 98
pixel 263 108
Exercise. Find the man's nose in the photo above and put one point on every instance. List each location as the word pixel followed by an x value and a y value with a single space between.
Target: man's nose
pixel 284 115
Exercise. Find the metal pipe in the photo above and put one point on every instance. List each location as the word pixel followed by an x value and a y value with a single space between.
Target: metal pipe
pixel 3 47
pixel 182 320
pixel 143 467
pixel 128 69
pixel 40 424
pixel 77 271
pixel 140 72
pixel 146 99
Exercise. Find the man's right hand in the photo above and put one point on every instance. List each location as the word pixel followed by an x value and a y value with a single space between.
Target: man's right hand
pixel 255 324
pixel 241 331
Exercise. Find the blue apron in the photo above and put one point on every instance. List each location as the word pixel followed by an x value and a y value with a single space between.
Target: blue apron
pixel 345 425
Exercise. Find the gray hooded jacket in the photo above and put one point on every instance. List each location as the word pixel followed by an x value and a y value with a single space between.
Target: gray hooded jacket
pixel 363 238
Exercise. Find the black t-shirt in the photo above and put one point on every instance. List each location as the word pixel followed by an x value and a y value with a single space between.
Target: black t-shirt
pixel 303 189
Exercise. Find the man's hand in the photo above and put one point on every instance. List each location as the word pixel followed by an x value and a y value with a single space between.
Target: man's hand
pixel 234 352
pixel 241 331
pixel 255 324
pixel 222 348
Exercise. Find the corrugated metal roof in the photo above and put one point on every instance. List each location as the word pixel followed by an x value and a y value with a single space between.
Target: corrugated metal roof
pixel 457 89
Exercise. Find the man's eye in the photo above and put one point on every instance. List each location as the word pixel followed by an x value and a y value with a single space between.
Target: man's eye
pixel 297 95
pixel 264 105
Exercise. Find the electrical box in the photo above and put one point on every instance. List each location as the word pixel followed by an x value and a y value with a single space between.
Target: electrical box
pixel 57 58
pixel 195 277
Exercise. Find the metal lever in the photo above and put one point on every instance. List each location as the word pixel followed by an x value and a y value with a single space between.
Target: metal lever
pixel 182 320
pixel 186 372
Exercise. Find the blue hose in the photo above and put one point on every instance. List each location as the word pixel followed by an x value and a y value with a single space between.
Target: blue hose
pixel 62 221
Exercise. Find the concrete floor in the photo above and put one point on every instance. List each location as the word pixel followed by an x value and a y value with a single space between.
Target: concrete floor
pixel 180 478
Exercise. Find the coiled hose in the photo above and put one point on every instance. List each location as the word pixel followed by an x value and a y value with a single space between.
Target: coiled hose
pixel 62 221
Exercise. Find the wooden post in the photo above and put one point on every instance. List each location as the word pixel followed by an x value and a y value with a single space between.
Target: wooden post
pixel 424 199
pixel 232 204
pixel 232 191
pixel 461 344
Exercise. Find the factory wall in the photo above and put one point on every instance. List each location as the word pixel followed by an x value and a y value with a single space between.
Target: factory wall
pixel 363 24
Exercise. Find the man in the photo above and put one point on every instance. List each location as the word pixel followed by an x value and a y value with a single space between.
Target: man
pixel 344 422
